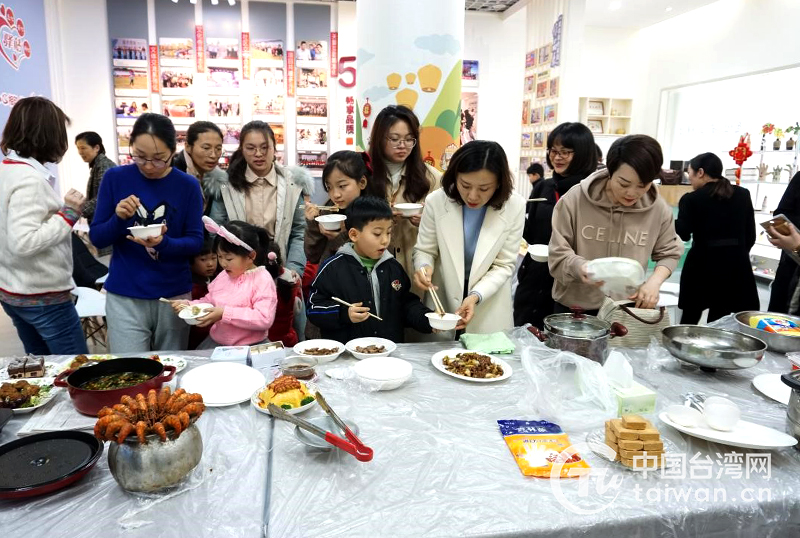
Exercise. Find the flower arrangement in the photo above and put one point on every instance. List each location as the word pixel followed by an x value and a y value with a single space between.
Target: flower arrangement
pixel 767 128
pixel 778 133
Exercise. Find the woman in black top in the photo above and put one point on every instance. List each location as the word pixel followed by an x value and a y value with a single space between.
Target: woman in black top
pixel 719 216
pixel 786 278
pixel 572 156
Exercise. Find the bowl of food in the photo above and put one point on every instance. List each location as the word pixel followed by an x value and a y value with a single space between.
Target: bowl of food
pixel 288 393
pixel 409 210
pixel 443 322
pixel 321 349
pixel 191 314
pixel 539 252
pixel 331 222
pixel 368 347
pixel 145 232
pixel 103 384
pixel 383 373
pixel 768 326
pixel 298 366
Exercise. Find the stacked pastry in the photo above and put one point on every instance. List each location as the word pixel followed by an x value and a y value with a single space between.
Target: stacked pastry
pixel 636 442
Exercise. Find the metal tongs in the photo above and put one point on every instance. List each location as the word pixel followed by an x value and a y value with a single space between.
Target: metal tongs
pixel 352 444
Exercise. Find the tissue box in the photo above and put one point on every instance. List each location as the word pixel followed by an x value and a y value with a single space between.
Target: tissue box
pixel 232 354
pixel 267 355
pixel 634 400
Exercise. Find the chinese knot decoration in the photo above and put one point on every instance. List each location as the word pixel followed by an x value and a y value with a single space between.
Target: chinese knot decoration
pixel 366 111
pixel 740 154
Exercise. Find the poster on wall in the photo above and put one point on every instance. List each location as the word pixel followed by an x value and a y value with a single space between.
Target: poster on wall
pixel 124 138
pixel 312 110
pixel 536 115
pixel 268 105
pixel 544 54
pixel 176 80
pixel 129 52
pixel 269 78
pixel 223 79
pixel 554 86
pixel 530 59
pixel 221 48
pixel 128 108
pixel 130 81
pixel 230 136
pixel 538 139
pixel 311 51
pixel 530 83
pixel 176 51
pixel 542 89
pixel 469 73
pixel 469 117
pixel 311 138
pixel 551 114
pixel 223 106
pixel 179 109
pixel 312 160
pixel 312 81
pixel 278 129
pixel 526 141
pixel 526 110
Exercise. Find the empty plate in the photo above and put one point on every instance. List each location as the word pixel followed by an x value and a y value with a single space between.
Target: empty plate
pixel 772 386
pixel 223 383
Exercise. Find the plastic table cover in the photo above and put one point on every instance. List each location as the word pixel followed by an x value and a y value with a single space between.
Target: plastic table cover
pixel 441 467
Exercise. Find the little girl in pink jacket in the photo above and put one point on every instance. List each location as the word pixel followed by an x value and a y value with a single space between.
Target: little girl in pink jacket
pixel 243 294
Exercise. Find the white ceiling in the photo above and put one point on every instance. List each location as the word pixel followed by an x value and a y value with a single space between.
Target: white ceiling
pixel 635 14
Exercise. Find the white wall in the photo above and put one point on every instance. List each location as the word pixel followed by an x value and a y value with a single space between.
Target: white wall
pixel 499 46
pixel 82 82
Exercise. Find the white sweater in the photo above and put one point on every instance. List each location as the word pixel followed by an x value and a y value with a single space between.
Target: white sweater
pixel 35 241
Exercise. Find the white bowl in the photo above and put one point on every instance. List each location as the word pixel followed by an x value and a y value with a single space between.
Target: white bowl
pixel 145 232
pixel 331 222
pixel 383 373
pixel 621 277
pixel 539 252
pixel 409 210
pixel 370 341
pixel 721 414
pixel 443 323
pixel 192 319
pixel 320 343
pixel 685 416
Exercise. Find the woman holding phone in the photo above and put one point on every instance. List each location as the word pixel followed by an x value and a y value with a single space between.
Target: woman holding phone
pixel 719 218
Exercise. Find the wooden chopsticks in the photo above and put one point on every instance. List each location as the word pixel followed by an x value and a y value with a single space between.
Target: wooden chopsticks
pixel 436 302
pixel 345 303
pixel 333 208
pixel 537 199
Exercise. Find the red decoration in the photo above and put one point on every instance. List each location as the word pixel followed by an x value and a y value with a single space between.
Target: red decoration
pixel 289 73
pixel 334 54
pixel 246 55
pixel 199 48
pixel 740 154
pixel 155 78
pixel 366 110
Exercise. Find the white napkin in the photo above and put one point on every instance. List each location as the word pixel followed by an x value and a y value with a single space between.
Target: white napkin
pixel 618 370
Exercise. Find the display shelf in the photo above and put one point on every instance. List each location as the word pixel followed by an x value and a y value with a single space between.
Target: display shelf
pixel 613 115
pixel 768 151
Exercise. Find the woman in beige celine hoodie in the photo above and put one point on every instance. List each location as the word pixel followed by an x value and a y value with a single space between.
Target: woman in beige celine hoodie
pixel 614 212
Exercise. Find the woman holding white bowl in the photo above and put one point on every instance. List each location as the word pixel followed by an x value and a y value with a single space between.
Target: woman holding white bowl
pixel 472 270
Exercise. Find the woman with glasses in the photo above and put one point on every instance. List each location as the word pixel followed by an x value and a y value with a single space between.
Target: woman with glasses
pixel 36 230
pixel 615 212
pixel 261 192
pixel 149 192
pixel 200 158
pixel 400 173
pixel 571 154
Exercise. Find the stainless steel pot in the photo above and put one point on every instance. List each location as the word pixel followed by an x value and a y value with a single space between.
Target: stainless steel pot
pixel 780 343
pixel 792 379
pixel 579 333
pixel 156 464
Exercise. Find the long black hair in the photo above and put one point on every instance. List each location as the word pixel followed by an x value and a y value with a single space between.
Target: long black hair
pixel 417 184
pixel 577 137
pixel 92 139
pixel 256 237
pixel 711 165
pixel 238 165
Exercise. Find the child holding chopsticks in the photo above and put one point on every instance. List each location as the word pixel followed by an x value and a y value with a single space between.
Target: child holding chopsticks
pixel 364 275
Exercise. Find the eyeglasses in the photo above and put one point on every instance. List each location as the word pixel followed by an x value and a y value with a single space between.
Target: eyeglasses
pixel 400 142
pixel 563 153
pixel 158 164
pixel 255 150
pixel 213 150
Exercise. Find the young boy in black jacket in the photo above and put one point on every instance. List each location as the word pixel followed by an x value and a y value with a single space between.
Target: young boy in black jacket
pixel 366 275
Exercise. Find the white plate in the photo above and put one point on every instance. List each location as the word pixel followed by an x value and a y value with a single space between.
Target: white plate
pixel 223 383
pixel 320 343
pixel 597 443
pixel 254 399
pixel 36 381
pixel 539 252
pixel 173 360
pixel 436 360
pixel 772 386
pixel 370 341
pixel 745 435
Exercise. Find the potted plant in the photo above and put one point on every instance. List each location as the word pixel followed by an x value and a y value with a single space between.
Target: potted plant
pixel 778 135
pixel 792 130
pixel 766 129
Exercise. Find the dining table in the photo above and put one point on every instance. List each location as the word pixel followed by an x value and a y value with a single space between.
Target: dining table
pixel 441 467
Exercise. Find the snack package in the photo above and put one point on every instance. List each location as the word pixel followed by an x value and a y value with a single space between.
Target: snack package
pixel 775 324
pixel 537 446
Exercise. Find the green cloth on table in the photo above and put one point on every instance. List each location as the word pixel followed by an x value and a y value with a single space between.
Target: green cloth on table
pixel 487 343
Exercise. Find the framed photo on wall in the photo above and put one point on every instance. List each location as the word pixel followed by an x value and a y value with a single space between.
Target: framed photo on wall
pixel 536 116
pixel 596 108
pixel 538 139
pixel 551 114
pixel 595 126
pixel 530 83
pixel 526 140
pixel 554 86
pixel 526 108
pixel 542 89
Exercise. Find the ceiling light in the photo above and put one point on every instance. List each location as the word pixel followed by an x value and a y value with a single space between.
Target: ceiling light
pixel 175 1
pixel 669 8
pixel 214 2
pixel 192 1
pixel 231 2
pixel 613 6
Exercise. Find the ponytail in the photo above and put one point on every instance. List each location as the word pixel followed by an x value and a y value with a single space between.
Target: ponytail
pixel 712 167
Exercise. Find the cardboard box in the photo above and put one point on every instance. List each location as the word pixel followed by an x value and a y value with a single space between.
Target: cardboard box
pixel 232 354
pixel 267 355
pixel 636 399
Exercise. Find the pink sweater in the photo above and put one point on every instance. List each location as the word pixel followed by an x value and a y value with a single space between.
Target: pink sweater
pixel 249 301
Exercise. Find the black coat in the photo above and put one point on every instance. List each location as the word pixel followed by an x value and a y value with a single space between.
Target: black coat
pixel 533 299
pixel 786 276
pixel 717 272
pixel 344 277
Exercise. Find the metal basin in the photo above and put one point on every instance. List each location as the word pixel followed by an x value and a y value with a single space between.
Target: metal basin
pixel 711 348
pixel 776 342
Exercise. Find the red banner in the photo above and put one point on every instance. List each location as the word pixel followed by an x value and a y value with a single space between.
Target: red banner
pixel 334 54
pixel 154 77
pixel 199 48
pixel 246 55
pixel 289 73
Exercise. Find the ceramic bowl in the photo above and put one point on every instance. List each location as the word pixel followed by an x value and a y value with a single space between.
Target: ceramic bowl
pixel 331 222
pixel 301 367
pixel 721 414
pixel 383 373
pixel 145 232
pixel 538 252
pixel 443 323
pixel 370 341
pixel 191 318
pixel 685 416
pixel 321 344
pixel 409 210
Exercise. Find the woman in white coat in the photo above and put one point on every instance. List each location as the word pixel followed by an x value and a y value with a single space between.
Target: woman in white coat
pixel 469 238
